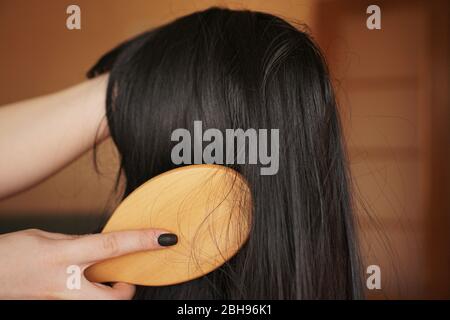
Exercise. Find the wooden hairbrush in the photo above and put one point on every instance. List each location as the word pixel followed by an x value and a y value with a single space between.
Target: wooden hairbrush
pixel 207 206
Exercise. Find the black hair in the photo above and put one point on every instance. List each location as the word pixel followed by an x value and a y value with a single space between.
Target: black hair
pixel 244 69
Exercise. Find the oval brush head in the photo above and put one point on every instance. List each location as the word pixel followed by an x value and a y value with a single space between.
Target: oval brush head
pixel 209 208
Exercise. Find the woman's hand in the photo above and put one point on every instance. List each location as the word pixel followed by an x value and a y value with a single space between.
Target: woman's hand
pixel 34 263
pixel 42 135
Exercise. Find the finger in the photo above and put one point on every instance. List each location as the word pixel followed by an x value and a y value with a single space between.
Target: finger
pixel 119 291
pixel 97 291
pixel 97 247
pixel 123 291
pixel 59 236
pixel 48 235
pixel 35 232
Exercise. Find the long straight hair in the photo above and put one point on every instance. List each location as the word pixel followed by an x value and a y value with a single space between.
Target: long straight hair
pixel 244 69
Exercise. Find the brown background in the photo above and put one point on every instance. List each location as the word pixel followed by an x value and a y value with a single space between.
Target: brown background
pixel 393 91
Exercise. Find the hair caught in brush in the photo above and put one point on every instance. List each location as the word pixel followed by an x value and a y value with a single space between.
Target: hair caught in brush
pixel 244 69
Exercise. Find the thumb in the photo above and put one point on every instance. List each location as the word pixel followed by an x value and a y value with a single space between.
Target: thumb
pixel 97 291
pixel 97 247
pixel 123 291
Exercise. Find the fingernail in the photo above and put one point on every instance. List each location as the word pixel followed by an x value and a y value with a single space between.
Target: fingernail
pixel 167 239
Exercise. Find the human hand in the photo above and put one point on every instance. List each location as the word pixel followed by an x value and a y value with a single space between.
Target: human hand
pixel 34 263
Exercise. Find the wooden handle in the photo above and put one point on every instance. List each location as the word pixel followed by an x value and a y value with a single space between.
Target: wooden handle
pixel 209 208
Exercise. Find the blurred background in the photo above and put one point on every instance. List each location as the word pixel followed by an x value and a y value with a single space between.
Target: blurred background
pixel 393 89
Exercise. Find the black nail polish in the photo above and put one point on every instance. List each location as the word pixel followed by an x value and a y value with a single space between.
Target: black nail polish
pixel 167 239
